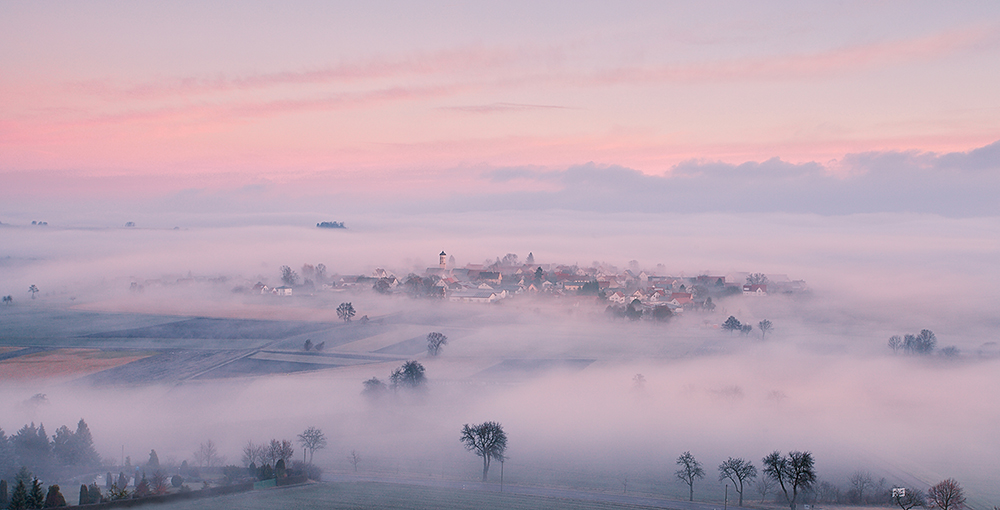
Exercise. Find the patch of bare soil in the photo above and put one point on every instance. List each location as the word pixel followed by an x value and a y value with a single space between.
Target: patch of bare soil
pixel 65 363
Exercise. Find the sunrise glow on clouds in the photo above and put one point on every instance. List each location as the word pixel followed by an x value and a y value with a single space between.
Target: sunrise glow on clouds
pixel 106 97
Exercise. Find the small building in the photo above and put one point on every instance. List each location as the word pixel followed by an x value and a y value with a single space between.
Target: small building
pixel 284 290
pixel 755 290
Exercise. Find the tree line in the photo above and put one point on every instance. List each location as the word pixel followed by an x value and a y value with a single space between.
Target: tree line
pixel 794 476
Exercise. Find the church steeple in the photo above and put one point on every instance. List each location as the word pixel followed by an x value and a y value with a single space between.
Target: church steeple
pixel 443 262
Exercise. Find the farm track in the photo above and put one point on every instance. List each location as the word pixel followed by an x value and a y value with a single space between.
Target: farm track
pixel 174 365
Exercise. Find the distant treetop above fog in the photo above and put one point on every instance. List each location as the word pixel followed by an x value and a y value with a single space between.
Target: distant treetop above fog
pixel 331 224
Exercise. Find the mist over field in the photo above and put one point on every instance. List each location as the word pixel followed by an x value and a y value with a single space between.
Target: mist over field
pixel 823 380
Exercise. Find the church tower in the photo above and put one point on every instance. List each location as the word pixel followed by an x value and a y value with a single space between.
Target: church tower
pixel 443 262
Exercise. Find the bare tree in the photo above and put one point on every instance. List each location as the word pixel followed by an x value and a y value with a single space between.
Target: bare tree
pixel 860 481
pixel 253 454
pixel 757 279
pixel 946 495
pixel 207 455
pixel 895 343
pixel 311 440
pixel 354 458
pixel 763 486
pixel 738 471
pixel 907 498
pixel 765 326
pixel 795 472
pixel 435 341
pixel 487 440
pixel 346 312
pixel 279 450
pixel 33 290
pixel 689 472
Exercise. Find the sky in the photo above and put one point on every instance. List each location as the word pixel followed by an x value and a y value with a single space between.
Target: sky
pixel 819 107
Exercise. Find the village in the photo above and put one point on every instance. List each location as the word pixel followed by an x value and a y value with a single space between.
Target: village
pixel 631 290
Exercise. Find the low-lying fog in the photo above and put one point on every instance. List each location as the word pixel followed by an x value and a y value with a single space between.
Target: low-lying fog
pixel 823 381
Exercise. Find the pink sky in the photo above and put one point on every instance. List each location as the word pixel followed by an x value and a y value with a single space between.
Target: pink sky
pixel 151 98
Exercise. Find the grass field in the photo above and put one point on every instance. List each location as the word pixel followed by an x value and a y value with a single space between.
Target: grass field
pixel 373 495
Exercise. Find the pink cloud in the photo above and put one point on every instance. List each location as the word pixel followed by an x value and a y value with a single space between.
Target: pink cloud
pixel 808 65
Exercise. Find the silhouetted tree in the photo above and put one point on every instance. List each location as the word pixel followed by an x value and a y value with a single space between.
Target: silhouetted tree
pixel 8 299
pixel 907 498
pixel 795 472
pixel 946 495
pixel 746 329
pixel 738 471
pixel 923 343
pixel 319 347
pixel 435 341
pixel 345 311
pixel 36 496
pixel 84 495
pixel 354 458
pixel 757 279
pixel 308 345
pixel 689 472
pixel 207 455
pixel 895 343
pixel 19 498
pixel 154 461
pixel 33 290
pixel 539 274
pixel 487 440
pixel 860 482
pixel 288 276
pixel 732 324
pixel 311 439
pixel 410 375
pixel 764 326
pixel 530 260
pixel 4 493
pixel 374 388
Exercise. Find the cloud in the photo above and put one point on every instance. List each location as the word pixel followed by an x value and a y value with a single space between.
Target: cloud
pixel 504 108
pixel 953 184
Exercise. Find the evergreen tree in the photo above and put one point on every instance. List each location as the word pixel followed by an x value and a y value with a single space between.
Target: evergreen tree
pixel 154 461
pixel 19 499
pixel 36 496
pixel 23 475
pixel 3 493
pixel 279 469
pixel 84 495
pixel 83 444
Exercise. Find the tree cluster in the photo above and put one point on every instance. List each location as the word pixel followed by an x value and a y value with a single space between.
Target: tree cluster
pixel 31 447
pixel 409 376
pixel 921 343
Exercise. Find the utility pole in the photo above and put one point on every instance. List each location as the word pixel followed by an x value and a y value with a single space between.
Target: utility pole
pixel 726 507
pixel 501 474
